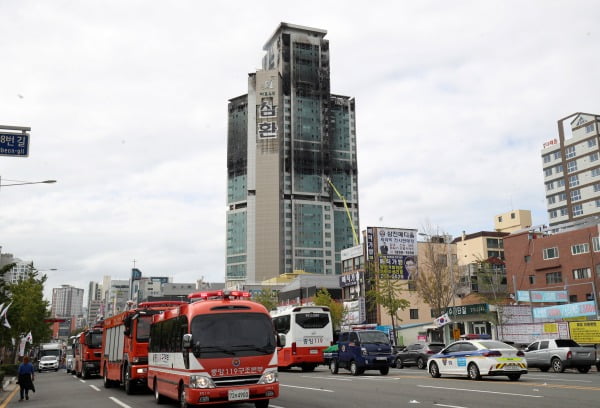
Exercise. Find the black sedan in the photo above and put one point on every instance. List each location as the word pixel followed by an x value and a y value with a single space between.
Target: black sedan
pixel 416 354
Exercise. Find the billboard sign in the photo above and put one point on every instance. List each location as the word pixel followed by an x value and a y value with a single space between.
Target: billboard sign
pixel 542 296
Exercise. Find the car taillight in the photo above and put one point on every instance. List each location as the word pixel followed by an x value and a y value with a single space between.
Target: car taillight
pixel 294 348
pixel 520 354
pixel 491 353
pixel 430 352
pixel 569 355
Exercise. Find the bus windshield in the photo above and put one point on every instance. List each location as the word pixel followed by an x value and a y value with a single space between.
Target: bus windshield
pixel 232 334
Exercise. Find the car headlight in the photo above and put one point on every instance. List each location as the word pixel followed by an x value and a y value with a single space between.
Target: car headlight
pixel 270 376
pixel 201 381
pixel 364 351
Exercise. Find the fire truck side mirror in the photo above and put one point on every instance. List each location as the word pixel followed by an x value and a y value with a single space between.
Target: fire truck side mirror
pixel 280 340
pixel 187 341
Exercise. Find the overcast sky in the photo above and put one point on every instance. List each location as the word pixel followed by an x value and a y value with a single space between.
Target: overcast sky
pixel 127 104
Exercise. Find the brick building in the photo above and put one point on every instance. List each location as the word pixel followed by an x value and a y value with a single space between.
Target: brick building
pixel 559 258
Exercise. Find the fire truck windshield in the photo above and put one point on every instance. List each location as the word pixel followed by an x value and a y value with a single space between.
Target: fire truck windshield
pixel 95 340
pixel 238 334
pixel 143 328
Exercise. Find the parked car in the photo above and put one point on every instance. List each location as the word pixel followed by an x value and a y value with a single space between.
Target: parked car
pixel 48 363
pixel 416 354
pixel 477 358
pixel 560 354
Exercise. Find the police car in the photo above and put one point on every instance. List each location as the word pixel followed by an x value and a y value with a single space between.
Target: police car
pixel 477 358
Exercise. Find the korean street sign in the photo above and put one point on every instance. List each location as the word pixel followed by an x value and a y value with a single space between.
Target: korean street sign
pixel 14 144
pixel 478 308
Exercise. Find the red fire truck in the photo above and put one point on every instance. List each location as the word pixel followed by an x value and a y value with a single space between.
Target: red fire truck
pixel 125 345
pixel 87 349
pixel 219 349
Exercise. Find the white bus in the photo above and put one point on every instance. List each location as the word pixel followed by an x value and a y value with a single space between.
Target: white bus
pixel 308 330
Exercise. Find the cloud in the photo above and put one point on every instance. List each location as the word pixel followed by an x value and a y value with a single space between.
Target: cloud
pixel 127 102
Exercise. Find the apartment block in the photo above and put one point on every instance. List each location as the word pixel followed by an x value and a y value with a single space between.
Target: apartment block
pixel 571 168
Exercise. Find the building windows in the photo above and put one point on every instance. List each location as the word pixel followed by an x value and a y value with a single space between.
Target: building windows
pixel 574 181
pixel 572 166
pixel 582 273
pixel 572 298
pixel 575 195
pixel 594 157
pixel 551 253
pixel 548 172
pixel 558 168
pixel 563 211
pixel 547 158
pixel 549 186
pixel 562 196
pixel 596 244
pixel 577 210
pixel 580 249
pixel 551 199
pixel 512 216
pixel 570 152
pixel 500 219
pixel 527 258
pixel 560 183
pixel 552 214
pixel 597 203
pixel 553 277
pixel 588 129
pixel 596 172
pixel 532 279
pixel 414 314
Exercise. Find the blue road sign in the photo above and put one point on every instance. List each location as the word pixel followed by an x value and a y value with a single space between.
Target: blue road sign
pixel 14 144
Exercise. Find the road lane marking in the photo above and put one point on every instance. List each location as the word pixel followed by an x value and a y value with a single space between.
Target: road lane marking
pixel 328 378
pixel 116 401
pixel 481 391
pixel 305 388
pixel 557 379
pixel 449 406
pixel 94 387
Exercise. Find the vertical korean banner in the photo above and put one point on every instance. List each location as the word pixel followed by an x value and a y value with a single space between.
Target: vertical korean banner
pixel 397 248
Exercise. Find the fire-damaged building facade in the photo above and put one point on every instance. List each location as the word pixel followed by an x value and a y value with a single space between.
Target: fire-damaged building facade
pixel 291 144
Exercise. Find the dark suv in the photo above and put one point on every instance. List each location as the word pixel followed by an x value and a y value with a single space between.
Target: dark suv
pixel 416 354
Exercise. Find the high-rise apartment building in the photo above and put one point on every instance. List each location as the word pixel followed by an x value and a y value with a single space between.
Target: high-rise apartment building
pixel 572 169
pixel 67 301
pixel 291 143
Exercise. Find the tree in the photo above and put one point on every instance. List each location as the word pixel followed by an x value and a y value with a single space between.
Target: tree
pixel 435 282
pixel 267 298
pixel 28 310
pixel 386 289
pixel 323 298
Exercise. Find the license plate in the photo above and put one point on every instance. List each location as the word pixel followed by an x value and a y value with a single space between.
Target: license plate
pixel 313 351
pixel 238 395
pixel 511 367
pixel 381 358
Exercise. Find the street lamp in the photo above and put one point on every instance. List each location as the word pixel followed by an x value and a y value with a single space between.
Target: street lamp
pixel 21 183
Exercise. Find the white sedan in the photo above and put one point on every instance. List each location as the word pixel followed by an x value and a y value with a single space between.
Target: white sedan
pixel 477 358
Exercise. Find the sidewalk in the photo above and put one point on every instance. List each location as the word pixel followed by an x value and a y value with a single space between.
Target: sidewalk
pixel 9 385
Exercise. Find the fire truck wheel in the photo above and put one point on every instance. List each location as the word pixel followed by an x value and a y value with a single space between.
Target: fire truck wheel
pixel 157 397
pixel 182 397
pixel 84 373
pixel 127 382
pixel 105 380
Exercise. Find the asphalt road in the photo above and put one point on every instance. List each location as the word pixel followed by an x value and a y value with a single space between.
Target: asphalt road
pixel 406 387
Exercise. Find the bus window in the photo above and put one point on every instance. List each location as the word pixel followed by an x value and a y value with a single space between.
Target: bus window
pixel 312 320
